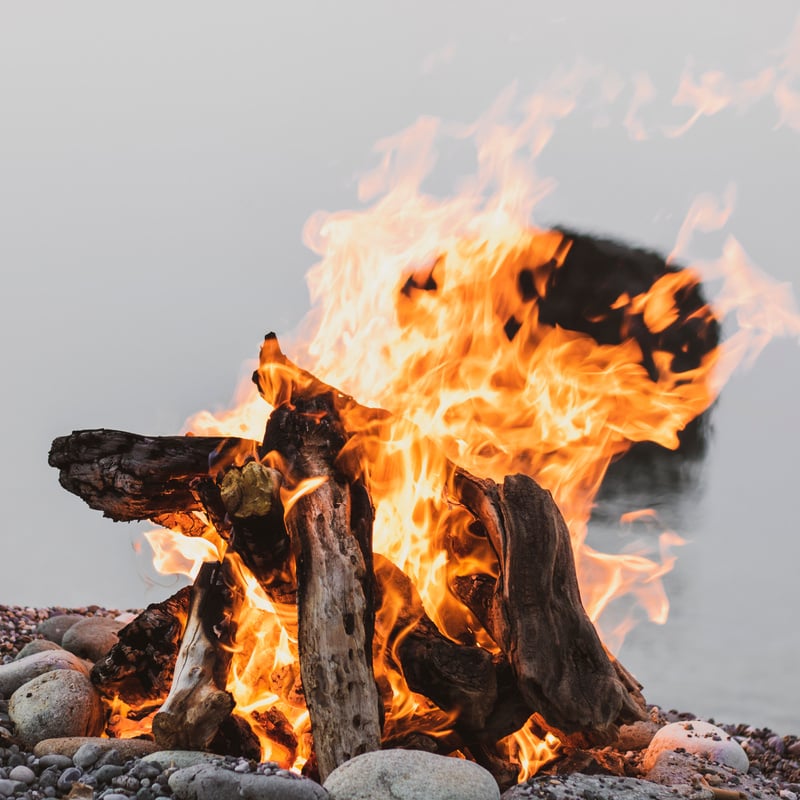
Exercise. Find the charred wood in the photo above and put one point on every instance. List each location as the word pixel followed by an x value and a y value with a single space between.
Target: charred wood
pixel 132 477
pixel 139 667
pixel 536 616
pixel 457 678
pixel 198 703
pixel 331 524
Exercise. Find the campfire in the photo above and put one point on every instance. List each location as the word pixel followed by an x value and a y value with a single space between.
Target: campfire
pixel 408 567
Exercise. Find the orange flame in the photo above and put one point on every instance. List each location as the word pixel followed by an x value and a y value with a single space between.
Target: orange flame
pixel 417 308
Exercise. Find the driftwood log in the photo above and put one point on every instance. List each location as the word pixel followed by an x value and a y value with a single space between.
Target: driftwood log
pixel 332 526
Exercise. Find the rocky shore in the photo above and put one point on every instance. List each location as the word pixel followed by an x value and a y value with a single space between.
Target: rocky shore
pixel 46 653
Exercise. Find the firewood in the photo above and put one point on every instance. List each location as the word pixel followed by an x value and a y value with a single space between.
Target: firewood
pixel 455 677
pixel 251 497
pixel 332 526
pixel 176 481
pixel 139 667
pixel 536 615
pixel 132 477
pixel 198 703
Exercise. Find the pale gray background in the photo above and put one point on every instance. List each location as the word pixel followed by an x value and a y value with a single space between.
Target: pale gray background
pixel 158 161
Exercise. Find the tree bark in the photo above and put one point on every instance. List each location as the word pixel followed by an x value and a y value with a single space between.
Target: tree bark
pixel 331 524
pixel 535 613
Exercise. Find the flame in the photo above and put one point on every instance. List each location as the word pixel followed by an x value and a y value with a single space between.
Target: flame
pixel 431 307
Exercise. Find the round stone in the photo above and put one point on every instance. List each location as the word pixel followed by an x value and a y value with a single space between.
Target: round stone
pixel 409 775
pixel 55 627
pixel 92 637
pixel 60 703
pixel 17 673
pixel 697 738
pixel 36 646
pixel 22 773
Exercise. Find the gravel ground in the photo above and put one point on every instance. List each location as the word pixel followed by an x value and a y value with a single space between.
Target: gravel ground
pixel 22 774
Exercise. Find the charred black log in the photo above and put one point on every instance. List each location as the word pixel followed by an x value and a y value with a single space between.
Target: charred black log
pixel 139 667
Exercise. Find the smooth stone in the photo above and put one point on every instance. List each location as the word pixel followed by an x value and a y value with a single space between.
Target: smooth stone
pixel 410 775
pixel 698 738
pixel 107 773
pixel 593 787
pixel 22 773
pixel 37 646
pixel 18 673
pixel 55 760
pixel 92 637
pixel 87 754
pixel 212 782
pixel 60 703
pixel 69 745
pixel 179 759
pixel 9 787
pixel 55 627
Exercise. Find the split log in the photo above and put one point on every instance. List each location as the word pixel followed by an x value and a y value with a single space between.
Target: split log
pixel 139 667
pixel 535 614
pixel 331 524
pixel 198 703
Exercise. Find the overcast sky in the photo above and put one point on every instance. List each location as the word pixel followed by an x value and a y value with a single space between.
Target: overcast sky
pixel 158 162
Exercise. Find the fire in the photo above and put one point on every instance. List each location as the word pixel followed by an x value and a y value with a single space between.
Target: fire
pixel 435 309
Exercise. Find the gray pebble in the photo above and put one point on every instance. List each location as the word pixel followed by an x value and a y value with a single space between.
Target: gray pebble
pixel 108 772
pixel 142 769
pixel 110 758
pixel 86 755
pixel 68 777
pixel 50 791
pixel 49 776
pixel 17 673
pixel 116 796
pixel 92 637
pixel 22 773
pixel 60 703
pixel 8 787
pixel 36 646
pixel 211 782
pixel 55 760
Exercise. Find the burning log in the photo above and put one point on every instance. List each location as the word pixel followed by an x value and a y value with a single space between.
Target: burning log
pixel 331 522
pixel 131 477
pixel 198 703
pixel 303 526
pixel 535 613
pixel 457 678
pixel 139 667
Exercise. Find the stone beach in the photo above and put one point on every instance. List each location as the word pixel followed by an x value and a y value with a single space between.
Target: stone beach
pixel 44 754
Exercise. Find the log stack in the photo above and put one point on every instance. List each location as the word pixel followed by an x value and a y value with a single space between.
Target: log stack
pixel 547 667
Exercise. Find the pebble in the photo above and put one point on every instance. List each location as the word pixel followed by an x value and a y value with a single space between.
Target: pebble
pixel 56 626
pixel 23 774
pixel 410 775
pixel 17 673
pixel 37 646
pixel 87 754
pixel 9 787
pixel 699 738
pixel 92 637
pixel 181 758
pixel 60 703
pixel 216 782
